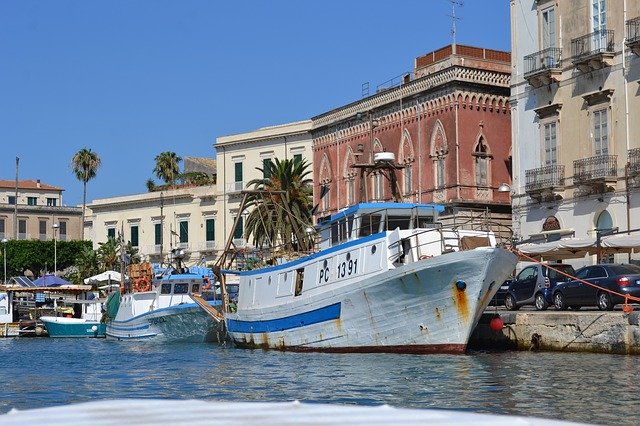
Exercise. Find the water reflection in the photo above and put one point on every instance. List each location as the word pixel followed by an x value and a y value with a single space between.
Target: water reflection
pixel 591 388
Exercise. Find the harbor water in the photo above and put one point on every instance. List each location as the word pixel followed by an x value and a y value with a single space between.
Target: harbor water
pixel 582 387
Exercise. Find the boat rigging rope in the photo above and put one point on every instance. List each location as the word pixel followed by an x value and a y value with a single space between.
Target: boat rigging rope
pixel 626 307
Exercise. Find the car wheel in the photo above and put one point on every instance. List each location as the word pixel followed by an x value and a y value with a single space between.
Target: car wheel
pixel 604 302
pixel 541 302
pixel 559 302
pixel 510 303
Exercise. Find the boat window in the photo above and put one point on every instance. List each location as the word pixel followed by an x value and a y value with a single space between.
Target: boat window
pixel 195 288
pixel 299 281
pixel 334 233
pixel 425 221
pixel 181 288
pixel 165 289
pixel 339 231
pixel 349 226
pixel 401 222
pixel 370 224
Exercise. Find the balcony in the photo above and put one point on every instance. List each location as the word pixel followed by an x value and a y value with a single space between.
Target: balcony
pixel 595 172
pixel 634 167
pixel 545 183
pixel 633 35
pixel 544 67
pixel 234 187
pixel 593 51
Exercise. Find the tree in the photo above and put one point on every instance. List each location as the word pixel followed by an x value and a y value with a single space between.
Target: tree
pixel 151 185
pixel 108 254
pixel 288 187
pixel 87 262
pixel 167 167
pixel 85 165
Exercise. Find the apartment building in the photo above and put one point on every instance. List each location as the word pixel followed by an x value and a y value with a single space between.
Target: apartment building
pixel 37 212
pixel 575 105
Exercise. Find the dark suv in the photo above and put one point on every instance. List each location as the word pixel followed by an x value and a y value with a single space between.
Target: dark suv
pixel 534 285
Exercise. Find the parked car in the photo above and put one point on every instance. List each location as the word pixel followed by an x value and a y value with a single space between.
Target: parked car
pixel 498 298
pixel 620 278
pixel 534 285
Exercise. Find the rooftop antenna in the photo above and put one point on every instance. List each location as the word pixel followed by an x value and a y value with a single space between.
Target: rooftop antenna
pixel 454 18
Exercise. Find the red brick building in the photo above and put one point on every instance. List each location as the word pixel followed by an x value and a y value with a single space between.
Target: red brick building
pixel 448 125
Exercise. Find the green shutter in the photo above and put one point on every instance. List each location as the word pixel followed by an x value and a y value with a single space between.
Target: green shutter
pixel 238 170
pixel 239 231
pixel 266 171
pixel 210 230
pixel 158 234
pixel 297 159
pixel 184 232
pixel 111 233
pixel 134 236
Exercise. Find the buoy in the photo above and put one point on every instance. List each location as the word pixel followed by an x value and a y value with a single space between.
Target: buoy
pixel 496 324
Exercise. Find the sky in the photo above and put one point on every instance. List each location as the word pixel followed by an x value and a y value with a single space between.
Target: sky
pixel 130 79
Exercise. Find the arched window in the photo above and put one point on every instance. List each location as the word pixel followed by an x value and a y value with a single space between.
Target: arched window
pixel 482 162
pixel 378 176
pixel 406 157
pixel 325 182
pixel 439 150
pixel 349 176
pixel 604 222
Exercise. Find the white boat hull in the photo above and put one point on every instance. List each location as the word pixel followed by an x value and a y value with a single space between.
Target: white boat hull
pixel 428 306
pixel 181 323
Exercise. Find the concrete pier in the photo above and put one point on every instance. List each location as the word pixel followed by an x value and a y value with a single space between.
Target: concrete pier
pixel 568 331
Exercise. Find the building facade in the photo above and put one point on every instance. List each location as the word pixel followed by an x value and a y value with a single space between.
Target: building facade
pixel 36 213
pixel 239 157
pixel 447 124
pixel 575 103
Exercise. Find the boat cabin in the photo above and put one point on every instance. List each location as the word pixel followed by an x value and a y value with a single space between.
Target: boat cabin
pixel 367 219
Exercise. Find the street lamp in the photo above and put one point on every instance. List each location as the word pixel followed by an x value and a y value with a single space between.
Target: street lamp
pixel 4 251
pixel 504 187
pixel 55 248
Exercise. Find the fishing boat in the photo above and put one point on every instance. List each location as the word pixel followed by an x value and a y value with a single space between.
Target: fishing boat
pixel 173 304
pixel 374 277
pixel 76 318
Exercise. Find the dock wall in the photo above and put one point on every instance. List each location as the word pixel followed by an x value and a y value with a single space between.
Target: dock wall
pixel 603 332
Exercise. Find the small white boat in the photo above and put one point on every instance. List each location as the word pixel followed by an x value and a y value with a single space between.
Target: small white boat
pixel 174 306
pixel 387 278
pixel 73 327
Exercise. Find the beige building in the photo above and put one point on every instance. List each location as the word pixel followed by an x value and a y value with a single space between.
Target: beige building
pixel 575 104
pixel 37 212
pixel 239 157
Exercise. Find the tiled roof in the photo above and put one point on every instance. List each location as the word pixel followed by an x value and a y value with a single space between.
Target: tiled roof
pixel 28 184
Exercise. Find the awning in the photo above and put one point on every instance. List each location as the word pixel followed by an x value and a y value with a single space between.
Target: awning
pixel 104 277
pixel 568 248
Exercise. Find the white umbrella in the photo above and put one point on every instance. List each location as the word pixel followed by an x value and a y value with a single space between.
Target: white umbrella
pixel 104 277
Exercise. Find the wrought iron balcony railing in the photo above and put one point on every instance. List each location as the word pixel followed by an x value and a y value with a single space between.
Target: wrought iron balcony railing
pixel 633 30
pixel 547 177
pixel 544 60
pixel 598 168
pixel 634 162
pixel 601 41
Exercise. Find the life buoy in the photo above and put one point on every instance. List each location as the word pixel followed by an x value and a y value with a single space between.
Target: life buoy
pixel 425 256
pixel 207 283
pixel 142 284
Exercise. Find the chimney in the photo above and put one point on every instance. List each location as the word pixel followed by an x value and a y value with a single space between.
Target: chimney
pixel 38 183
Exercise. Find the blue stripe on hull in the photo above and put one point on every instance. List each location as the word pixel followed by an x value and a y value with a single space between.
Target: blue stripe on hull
pixel 316 316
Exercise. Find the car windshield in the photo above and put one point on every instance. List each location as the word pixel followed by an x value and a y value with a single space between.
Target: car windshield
pixel 625 269
pixel 567 269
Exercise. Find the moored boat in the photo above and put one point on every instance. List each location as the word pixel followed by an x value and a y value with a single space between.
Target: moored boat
pixel 387 277
pixel 175 304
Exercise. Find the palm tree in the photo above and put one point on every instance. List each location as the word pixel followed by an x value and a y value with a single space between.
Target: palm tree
pixel 167 167
pixel 108 254
pixel 87 262
pixel 288 187
pixel 85 165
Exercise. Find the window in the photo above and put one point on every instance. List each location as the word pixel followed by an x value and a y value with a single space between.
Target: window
pixel 550 144
pixel 111 233
pixel 549 28
pixel 599 22
pixel 157 230
pixel 22 229
pixel 134 236
pixel 42 225
pixel 2 231
pixel 52 202
pixel 408 177
pixel 184 231
pixel 351 191
pixel 181 288
pixel 210 230
pixel 297 159
pixel 324 195
pixel 440 172
pixel 165 288
pixel 266 170
pixel 32 201
pixel 482 157
pixel 63 230
pixel 600 132
pixel 378 192
pixel 12 199
pixel 239 229
pixel 528 273
pixel 238 176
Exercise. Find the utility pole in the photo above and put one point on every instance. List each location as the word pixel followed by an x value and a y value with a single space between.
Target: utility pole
pixel 161 229
pixel 15 206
